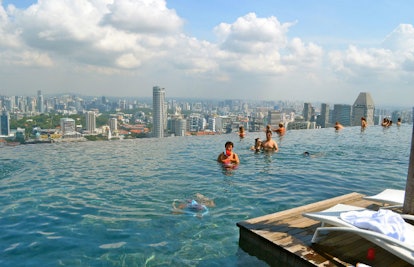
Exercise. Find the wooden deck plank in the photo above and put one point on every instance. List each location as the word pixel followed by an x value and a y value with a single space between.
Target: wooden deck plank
pixel 284 239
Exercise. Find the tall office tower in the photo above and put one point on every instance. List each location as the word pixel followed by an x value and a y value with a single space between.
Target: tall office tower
pixel 178 126
pixel 122 104
pixel 113 124
pixel 307 111
pixel 324 117
pixel 5 123
pixel 342 114
pixel 159 111
pixel 90 121
pixel 212 124
pixel 274 117
pixel 363 107
pixel 17 103
pixel 40 104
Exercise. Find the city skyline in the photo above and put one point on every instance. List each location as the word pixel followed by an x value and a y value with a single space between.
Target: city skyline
pixel 271 50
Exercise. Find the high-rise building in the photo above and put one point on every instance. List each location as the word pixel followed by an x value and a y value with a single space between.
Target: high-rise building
pixel 307 111
pixel 90 122
pixel 159 111
pixel 212 124
pixel 113 124
pixel 67 126
pixel 178 126
pixel 40 104
pixel 274 117
pixel 363 107
pixel 323 119
pixel 342 114
pixel 5 123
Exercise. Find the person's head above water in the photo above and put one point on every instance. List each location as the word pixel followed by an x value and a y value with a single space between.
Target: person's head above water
pixel 228 145
pixel 306 154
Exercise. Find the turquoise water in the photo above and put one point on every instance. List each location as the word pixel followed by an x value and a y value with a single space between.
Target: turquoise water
pixel 110 203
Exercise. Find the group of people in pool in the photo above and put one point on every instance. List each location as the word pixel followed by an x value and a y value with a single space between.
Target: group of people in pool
pixel 364 124
pixel 228 157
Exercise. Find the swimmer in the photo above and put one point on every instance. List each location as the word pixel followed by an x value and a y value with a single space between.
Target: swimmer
pixel 191 207
pixel 364 123
pixel 281 130
pixel 338 126
pixel 307 154
pixel 257 145
pixel 270 144
pixel 242 133
pixel 196 206
pixel 204 200
pixel 228 157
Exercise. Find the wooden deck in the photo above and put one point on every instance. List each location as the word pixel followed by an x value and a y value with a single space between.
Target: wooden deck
pixel 284 239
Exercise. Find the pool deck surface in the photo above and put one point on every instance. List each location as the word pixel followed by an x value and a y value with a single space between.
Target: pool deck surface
pixel 284 239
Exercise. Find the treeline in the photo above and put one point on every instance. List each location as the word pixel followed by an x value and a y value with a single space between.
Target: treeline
pixel 52 121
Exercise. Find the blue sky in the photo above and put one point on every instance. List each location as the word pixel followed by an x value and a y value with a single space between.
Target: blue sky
pixel 312 51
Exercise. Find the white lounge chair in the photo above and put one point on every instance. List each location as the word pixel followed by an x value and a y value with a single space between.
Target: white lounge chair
pixel 331 216
pixel 392 197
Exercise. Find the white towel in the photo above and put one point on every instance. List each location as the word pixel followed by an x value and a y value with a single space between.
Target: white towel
pixel 381 221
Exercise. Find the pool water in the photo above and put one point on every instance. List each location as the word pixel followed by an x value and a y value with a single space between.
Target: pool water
pixel 109 203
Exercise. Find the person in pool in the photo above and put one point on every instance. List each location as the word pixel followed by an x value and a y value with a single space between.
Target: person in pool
pixel 281 130
pixel 242 133
pixel 228 157
pixel 257 145
pixel 338 126
pixel 270 144
pixel 364 123
pixel 196 206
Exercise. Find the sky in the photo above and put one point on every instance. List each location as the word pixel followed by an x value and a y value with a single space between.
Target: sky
pixel 299 50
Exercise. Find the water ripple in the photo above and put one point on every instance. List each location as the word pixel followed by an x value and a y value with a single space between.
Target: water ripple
pixel 110 203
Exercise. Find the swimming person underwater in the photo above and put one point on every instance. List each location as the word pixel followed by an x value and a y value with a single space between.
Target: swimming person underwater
pixel 196 206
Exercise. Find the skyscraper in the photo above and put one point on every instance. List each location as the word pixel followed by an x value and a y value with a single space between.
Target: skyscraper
pixel 307 111
pixel 323 119
pixel 342 114
pixel 40 104
pixel 158 111
pixel 90 121
pixel 5 123
pixel 363 107
pixel 274 117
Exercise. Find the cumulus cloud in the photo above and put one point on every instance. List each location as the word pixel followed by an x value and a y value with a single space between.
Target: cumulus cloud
pixel 142 16
pixel 110 34
pixel 395 54
pixel 145 39
pixel 261 45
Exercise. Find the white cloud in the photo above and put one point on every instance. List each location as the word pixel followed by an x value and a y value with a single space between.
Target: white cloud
pixel 261 45
pixel 130 40
pixel 391 59
pixel 143 16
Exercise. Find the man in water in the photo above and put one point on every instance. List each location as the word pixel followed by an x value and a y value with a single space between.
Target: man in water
pixel 364 123
pixel 338 126
pixel 270 144
pixel 281 130
pixel 228 156
pixel 242 133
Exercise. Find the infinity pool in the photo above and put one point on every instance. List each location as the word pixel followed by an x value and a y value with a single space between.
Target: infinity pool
pixel 110 203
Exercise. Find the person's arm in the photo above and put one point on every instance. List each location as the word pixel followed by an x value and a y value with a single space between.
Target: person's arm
pixel 219 158
pixel 276 147
pixel 223 158
pixel 236 159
